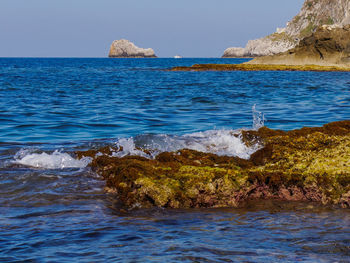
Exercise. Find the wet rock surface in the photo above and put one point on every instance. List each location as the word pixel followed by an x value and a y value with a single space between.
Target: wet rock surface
pixel 309 164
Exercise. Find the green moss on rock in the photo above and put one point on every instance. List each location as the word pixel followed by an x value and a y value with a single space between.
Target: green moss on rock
pixel 259 67
pixel 309 164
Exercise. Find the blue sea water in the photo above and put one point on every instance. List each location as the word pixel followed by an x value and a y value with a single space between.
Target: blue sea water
pixel 54 209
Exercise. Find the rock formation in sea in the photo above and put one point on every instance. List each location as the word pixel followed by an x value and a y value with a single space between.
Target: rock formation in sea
pixel 327 49
pixel 125 49
pixel 327 46
pixel 309 164
pixel 314 13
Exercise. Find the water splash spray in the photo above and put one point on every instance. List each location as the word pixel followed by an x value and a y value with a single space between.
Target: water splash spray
pixel 258 118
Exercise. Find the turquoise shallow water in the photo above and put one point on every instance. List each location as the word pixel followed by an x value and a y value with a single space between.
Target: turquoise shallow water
pixel 58 211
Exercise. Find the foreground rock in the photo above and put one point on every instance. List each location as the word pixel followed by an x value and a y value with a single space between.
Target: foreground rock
pixel 310 164
pixel 125 49
pixel 314 13
pixel 328 46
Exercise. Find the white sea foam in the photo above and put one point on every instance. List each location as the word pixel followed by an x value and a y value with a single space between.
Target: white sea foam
pixel 129 148
pixel 220 142
pixel 55 160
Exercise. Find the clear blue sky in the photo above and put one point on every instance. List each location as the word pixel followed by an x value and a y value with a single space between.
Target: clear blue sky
pixel 86 28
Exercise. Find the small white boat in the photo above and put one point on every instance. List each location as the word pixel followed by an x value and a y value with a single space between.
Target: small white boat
pixel 177 56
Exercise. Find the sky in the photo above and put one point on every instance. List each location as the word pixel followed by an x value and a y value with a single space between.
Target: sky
pixel 86 28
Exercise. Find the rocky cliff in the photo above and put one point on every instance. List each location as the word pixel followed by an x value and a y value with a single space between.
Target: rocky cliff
pixel 327 46
pixel 125 49
pixel 314 13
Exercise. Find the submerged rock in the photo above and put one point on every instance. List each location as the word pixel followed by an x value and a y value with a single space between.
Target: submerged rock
pixel 125 49
pixel 259 64
pixel 309 164
pixel 313 14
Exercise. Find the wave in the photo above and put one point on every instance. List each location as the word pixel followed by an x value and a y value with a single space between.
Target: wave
pixel 220 142
pixel 54 160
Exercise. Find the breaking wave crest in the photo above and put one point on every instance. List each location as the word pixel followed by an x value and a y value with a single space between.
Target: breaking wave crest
pixel 220 142
pixel 55 160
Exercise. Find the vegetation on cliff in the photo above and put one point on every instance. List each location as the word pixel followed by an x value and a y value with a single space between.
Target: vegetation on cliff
pixel 310 164
pixel 326 46
pixel 313 14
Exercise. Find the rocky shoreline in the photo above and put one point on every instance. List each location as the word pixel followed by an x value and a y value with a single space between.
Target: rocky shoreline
pixel 260 67
pixel 327 49
pixel 308 164
pixel 313 14
pixel 327 46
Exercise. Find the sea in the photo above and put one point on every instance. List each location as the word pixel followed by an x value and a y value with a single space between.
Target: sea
pixel 54 208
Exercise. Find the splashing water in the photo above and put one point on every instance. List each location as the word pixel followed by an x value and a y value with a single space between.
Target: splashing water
pixel 220 142
pixel 128 148
pixel 55 160
pixel 258 118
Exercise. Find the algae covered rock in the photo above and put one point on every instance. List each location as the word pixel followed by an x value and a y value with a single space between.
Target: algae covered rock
pixel 309 164
pixel 258 65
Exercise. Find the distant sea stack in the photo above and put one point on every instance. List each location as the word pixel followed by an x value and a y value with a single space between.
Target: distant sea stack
pixel 314 13
pixel 125 49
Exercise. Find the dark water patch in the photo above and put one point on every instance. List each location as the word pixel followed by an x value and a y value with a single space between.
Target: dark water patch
pixel 312 88
pixel 128 238
pixel 50 243
pixel 92 235
pixel 209 250
pixel 47 214
pixel 17 260
pixel 203 100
